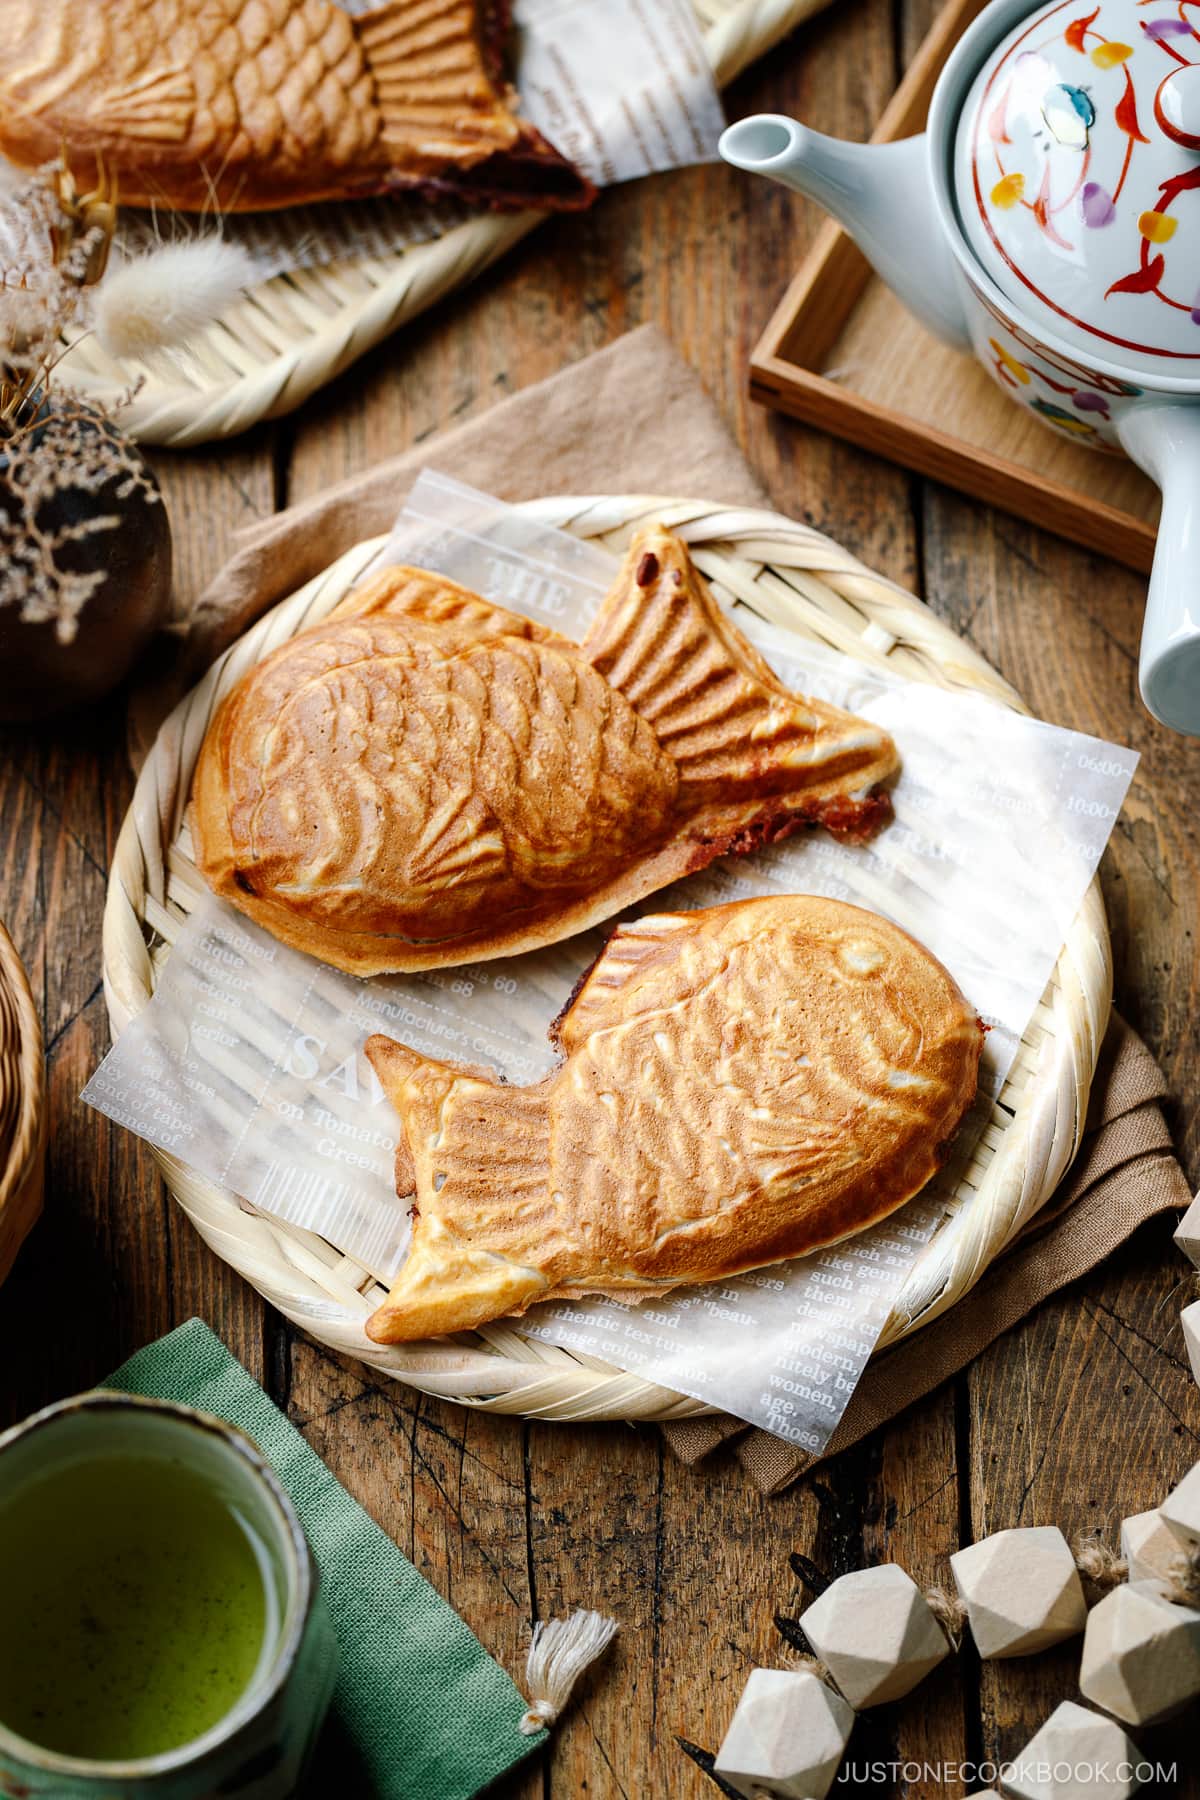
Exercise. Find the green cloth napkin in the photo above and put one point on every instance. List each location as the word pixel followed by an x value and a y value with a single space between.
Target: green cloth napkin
pixel 421 1711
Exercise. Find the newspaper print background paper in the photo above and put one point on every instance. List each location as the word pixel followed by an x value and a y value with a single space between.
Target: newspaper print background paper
pixel 248 1062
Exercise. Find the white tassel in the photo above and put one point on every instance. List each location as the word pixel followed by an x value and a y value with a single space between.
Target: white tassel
pixel 559 1653
pixel 148 309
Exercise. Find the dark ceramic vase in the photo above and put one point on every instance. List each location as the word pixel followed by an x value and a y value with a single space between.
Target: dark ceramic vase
pixel 40 675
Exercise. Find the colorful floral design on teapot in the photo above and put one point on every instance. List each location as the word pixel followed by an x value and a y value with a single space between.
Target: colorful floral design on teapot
pixel 1084 170
pixel 1076 401
pixel 1077 412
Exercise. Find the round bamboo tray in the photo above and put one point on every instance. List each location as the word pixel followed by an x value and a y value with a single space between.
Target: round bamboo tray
pixel 22 1106
pixel 290 335
pixel 792 575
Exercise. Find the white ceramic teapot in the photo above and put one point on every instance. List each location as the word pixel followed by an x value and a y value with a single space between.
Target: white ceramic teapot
pixel 1049 219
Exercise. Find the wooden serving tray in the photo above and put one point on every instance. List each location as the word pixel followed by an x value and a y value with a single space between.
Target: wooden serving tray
pixel 841 352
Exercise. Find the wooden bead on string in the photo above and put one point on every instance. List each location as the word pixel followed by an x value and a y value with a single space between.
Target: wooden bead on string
pixel 1187 1234
pixel 1141 1654
pixel 876 1634
pixel 1150 1548
pixel 786 1738
pixel 1077 1755
pixel 1180 1511
pixel 1189 1318
pixel 1021 1589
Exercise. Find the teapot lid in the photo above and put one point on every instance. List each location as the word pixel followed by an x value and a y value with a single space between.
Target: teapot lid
pixel 1077 176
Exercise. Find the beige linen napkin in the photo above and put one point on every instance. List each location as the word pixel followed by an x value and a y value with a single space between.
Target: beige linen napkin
pixel 635 419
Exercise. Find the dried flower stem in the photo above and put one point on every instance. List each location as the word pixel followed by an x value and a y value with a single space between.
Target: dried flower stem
pixel 64 449
pixel 54 244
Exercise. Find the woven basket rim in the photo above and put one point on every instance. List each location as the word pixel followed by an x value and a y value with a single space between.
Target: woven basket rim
pixel 759 558
pixel 294 333
pixel 21 1050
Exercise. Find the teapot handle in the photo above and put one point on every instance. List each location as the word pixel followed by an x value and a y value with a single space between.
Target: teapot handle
pixel 1163 438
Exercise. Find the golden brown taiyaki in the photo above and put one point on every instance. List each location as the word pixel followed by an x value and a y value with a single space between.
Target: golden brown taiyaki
pixel 740 1085
pixel 240 105
pixel 425 778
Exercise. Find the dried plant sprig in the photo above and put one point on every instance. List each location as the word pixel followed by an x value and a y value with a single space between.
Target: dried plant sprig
pixel 66 449
pixel 55 283
pixel 54 252
pixel 85 223
pixel 54 244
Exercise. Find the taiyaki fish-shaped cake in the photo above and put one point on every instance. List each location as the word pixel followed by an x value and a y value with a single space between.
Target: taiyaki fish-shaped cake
pixel 739 1085
pixel 242 105
pixel 425 778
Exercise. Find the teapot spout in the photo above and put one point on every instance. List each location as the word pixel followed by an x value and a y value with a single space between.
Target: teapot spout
pixel 880 193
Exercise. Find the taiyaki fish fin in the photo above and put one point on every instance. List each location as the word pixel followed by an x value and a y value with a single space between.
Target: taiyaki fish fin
pixel 438 82
pixel 607 993
pixel 715 705
pixel 425 598
pixel 156 107
pixel 459 841
pixel 475 1156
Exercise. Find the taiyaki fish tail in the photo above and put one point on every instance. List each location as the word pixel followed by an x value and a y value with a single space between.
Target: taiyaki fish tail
pixel 733 729
pixel 438 72
pixel 475 1157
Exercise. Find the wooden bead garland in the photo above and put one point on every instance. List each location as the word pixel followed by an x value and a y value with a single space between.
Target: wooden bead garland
pixel 877 1636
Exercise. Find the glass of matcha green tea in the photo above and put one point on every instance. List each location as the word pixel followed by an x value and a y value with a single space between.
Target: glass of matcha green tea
pixel 161 1626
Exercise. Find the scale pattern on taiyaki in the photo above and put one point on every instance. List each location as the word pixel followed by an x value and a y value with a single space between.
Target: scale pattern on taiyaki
pixel 774 1106
pixel 501 768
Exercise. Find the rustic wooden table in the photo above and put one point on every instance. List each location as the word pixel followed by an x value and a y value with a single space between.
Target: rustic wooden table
pixel 1083 1415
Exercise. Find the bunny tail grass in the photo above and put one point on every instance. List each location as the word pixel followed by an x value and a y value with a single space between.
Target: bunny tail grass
pixel 152 307
pixel 559 1652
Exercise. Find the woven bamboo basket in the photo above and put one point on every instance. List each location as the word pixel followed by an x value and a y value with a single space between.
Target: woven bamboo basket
pixel 787 573
pixel 290 335
pixel 22 1106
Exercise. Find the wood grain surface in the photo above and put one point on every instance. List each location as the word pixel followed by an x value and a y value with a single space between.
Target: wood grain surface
pixel 1084 1414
